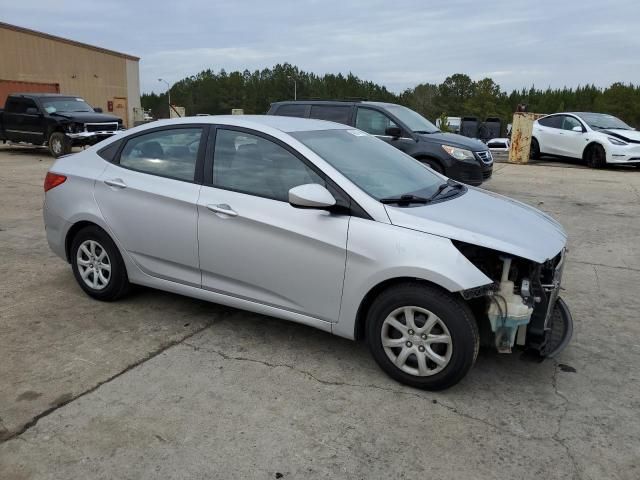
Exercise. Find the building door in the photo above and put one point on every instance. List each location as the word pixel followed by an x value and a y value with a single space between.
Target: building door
pixel 120 109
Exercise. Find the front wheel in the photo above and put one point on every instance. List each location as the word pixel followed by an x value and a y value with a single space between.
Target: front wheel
pixel 422 336
pixel 59 144
pixel 596 156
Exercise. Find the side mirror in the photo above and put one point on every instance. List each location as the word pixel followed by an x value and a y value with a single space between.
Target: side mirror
pixel 394 132
pixel 311 195
pixel 32 111
pixel 577 128
pixel 97 110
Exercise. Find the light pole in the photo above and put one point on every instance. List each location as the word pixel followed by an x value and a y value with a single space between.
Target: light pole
pixel 295 87
pixel 168 92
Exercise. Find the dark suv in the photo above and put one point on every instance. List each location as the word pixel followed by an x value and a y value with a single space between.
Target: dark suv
pixel 457 157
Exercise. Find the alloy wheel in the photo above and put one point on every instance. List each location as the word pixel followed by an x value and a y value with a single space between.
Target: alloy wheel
pixel 417 341
pixel 94 264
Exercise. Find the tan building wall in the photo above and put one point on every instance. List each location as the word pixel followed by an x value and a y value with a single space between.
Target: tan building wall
pixel 95 74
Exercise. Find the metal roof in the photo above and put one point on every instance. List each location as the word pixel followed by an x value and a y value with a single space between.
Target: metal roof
pixel 67 41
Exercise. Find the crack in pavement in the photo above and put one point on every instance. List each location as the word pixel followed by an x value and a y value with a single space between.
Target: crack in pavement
pixel 565 404
pixel 184 341
pixel 6 436
pixel 632 269
pixel 554 438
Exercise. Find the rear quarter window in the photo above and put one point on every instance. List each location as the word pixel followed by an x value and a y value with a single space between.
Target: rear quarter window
pixel 333 113
pixel 292 111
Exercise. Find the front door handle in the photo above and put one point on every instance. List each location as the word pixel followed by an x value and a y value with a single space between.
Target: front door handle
pixel 116 182
pixel 224 209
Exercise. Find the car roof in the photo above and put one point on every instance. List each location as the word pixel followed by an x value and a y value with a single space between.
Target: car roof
pixel 36 95
pixel 284 124
pixel 335 102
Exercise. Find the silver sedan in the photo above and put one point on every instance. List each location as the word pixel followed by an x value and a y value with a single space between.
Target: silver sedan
pixel 317 223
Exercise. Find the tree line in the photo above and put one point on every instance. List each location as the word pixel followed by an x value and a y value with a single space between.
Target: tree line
pixel 218 92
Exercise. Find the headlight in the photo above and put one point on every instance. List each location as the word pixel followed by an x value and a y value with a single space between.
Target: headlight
pixel 616 141
pixel 458 153
pixel 75 127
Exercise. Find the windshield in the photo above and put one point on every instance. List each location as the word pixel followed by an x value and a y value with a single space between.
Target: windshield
pixel 601 121
pixel 413 120
pixel 379 169
pixel 66 105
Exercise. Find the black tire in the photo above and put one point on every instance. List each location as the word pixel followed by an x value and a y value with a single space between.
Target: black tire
pixel 118 282
pixel 596 156
pixel 534 152
pixel 433 165
pixel 59 144
pixel 452 312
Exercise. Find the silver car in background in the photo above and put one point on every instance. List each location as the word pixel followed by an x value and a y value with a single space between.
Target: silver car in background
pixel 317 223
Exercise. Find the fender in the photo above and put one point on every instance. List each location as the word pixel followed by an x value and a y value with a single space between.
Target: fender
pixel 413 254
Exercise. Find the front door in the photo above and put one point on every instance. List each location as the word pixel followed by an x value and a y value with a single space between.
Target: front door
pixel 570 143
pixel 148 198
pixel 376 123
pixel 253 243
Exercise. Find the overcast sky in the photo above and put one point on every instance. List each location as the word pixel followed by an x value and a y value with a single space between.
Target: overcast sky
pixel 392 42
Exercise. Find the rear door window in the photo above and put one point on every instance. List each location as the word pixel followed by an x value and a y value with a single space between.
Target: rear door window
pixel 551 122
pixel 169 153
pixel 333 113
pixel 295 110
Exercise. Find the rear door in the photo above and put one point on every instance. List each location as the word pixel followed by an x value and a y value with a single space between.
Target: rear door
pixel 148 197
pixel 21 126
pixel 548 133
pixel 253 244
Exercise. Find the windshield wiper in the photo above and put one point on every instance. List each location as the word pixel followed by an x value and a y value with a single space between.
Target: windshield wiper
pixel 408 199
pixel 450 183
pixel 425 131
pixel 404 200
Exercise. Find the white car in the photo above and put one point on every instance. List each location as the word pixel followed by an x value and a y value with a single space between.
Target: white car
pixel 597 138
pixel 499 144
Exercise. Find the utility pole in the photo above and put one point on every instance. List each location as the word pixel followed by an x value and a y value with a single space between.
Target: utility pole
pixel 295 87
pixel 168 92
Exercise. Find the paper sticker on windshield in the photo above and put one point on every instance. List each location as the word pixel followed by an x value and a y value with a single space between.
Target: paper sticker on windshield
pixel 79 99
pixel 357 133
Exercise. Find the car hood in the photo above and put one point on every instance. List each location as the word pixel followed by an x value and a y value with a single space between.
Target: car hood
pixel 632 136
pixel 488 220
pixel 454 140
pixel 87 117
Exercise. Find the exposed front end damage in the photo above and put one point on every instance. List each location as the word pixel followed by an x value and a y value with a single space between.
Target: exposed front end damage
pixel 522 306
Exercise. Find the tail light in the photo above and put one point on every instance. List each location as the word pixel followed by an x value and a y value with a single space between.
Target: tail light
pixel 53 180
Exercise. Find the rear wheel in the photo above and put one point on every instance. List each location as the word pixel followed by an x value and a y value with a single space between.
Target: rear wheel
pixel 422 336
pixel 59 144
pixel 97 265
pixel 534 152
pixel 596 156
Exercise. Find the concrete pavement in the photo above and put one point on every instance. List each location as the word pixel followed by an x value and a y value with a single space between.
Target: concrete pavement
pixel 161 386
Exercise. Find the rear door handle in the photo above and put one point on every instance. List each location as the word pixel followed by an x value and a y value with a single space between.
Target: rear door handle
pixel 116 182
pixel 224 209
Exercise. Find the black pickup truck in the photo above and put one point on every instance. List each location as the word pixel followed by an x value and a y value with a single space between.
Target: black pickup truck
pixel 57 121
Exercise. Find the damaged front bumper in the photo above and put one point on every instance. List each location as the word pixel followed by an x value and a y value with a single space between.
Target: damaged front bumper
pixel 523 306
